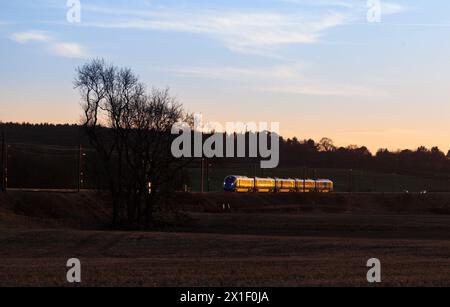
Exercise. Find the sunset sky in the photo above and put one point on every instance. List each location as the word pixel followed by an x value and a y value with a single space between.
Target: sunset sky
pixel 319 67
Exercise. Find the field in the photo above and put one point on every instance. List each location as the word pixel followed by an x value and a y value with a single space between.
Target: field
pixel 284 241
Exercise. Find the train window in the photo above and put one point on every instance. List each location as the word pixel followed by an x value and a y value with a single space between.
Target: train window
pixel 229 180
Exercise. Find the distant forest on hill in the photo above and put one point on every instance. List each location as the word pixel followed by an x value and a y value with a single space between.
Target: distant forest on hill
pixel 293 152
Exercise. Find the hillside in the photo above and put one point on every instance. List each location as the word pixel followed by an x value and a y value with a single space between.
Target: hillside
pixel 90 210
pixel 87 210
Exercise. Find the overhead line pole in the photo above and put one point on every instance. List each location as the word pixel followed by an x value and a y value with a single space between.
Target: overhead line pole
pixel 5 168
pixel 207 175
pixel 304 178
pixel 80 168
pixel 2 164
pixel 202 179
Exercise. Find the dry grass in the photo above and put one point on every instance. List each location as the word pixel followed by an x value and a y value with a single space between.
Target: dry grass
pixel 300 248
pixel 32 257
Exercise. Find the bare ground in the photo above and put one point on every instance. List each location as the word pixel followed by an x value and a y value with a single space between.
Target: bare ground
pixel 237 248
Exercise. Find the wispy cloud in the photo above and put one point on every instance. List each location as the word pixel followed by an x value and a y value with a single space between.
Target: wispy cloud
pixel 392 8
pixel 236 73
pixel 280 79
pixel 69 50
pixel 242 30
pixel 388 8
pixel 63 49
pixel 328 3
pixel 317 89
pixel 30 36
pixel 239 31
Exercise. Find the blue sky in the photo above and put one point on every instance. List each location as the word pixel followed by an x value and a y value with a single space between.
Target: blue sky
pixel 318 67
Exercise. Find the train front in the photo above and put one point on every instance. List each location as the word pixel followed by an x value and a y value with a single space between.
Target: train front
pixel 229 184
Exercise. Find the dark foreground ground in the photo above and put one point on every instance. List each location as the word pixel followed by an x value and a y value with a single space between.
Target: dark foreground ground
pixel 288 242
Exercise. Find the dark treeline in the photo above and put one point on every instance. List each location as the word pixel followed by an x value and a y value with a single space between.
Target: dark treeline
pixel 422 161
pixel 45 156
pixel 43 134
pixel 293 152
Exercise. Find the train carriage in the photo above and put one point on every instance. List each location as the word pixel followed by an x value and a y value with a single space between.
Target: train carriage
pixel 284 185
pixel 324 186
pixel 300 185
pixel 264 185
pixel 309 186
pixel 242 184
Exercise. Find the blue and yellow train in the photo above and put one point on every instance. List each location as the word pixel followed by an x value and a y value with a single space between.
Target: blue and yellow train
pixel 242 184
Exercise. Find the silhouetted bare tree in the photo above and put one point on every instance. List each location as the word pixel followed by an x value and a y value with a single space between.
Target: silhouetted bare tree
pixel 326 144
pixel 131 131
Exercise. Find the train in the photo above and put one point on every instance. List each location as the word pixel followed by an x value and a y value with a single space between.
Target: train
pixel 243 184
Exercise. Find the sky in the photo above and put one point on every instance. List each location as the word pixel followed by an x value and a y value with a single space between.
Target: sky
pixel 371 73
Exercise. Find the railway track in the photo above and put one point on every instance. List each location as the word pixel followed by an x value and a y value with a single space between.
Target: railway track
pixel 220 192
